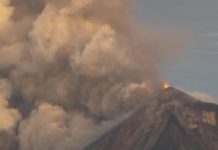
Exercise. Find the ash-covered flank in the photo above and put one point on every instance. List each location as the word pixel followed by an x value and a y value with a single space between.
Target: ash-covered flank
pixel 173 120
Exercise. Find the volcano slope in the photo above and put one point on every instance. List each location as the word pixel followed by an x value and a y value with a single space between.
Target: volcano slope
pixel 173 120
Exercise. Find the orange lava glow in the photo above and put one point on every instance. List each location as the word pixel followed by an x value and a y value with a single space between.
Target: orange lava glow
pixel 166 85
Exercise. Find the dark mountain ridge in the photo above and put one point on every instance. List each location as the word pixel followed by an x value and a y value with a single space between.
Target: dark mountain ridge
pixel 172 120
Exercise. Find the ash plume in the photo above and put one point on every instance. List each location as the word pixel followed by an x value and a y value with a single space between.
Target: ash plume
pixel 69 69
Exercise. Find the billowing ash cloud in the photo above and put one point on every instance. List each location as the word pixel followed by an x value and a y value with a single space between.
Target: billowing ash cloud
pixel 70 68
pixel 58 129
pixel 8 116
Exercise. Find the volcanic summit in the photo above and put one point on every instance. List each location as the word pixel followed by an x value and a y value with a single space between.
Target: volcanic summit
pixel 172 120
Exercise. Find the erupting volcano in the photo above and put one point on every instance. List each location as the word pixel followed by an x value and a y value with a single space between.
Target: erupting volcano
pixel 172 120
pixel 72 72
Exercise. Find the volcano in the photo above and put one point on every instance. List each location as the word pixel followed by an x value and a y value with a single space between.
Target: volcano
pixel 173 120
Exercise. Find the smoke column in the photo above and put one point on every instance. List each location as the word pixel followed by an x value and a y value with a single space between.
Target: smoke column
pixel 70 69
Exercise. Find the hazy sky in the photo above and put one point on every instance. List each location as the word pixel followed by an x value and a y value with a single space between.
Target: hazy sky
pixel 197 66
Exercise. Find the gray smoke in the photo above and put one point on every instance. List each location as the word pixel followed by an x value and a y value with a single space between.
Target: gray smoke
pixel 69 69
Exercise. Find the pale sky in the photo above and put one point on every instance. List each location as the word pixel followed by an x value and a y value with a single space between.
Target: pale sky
pixel 197 66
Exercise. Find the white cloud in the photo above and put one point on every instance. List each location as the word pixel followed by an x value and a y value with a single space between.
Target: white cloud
pixel 214 34
pixel 203 97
